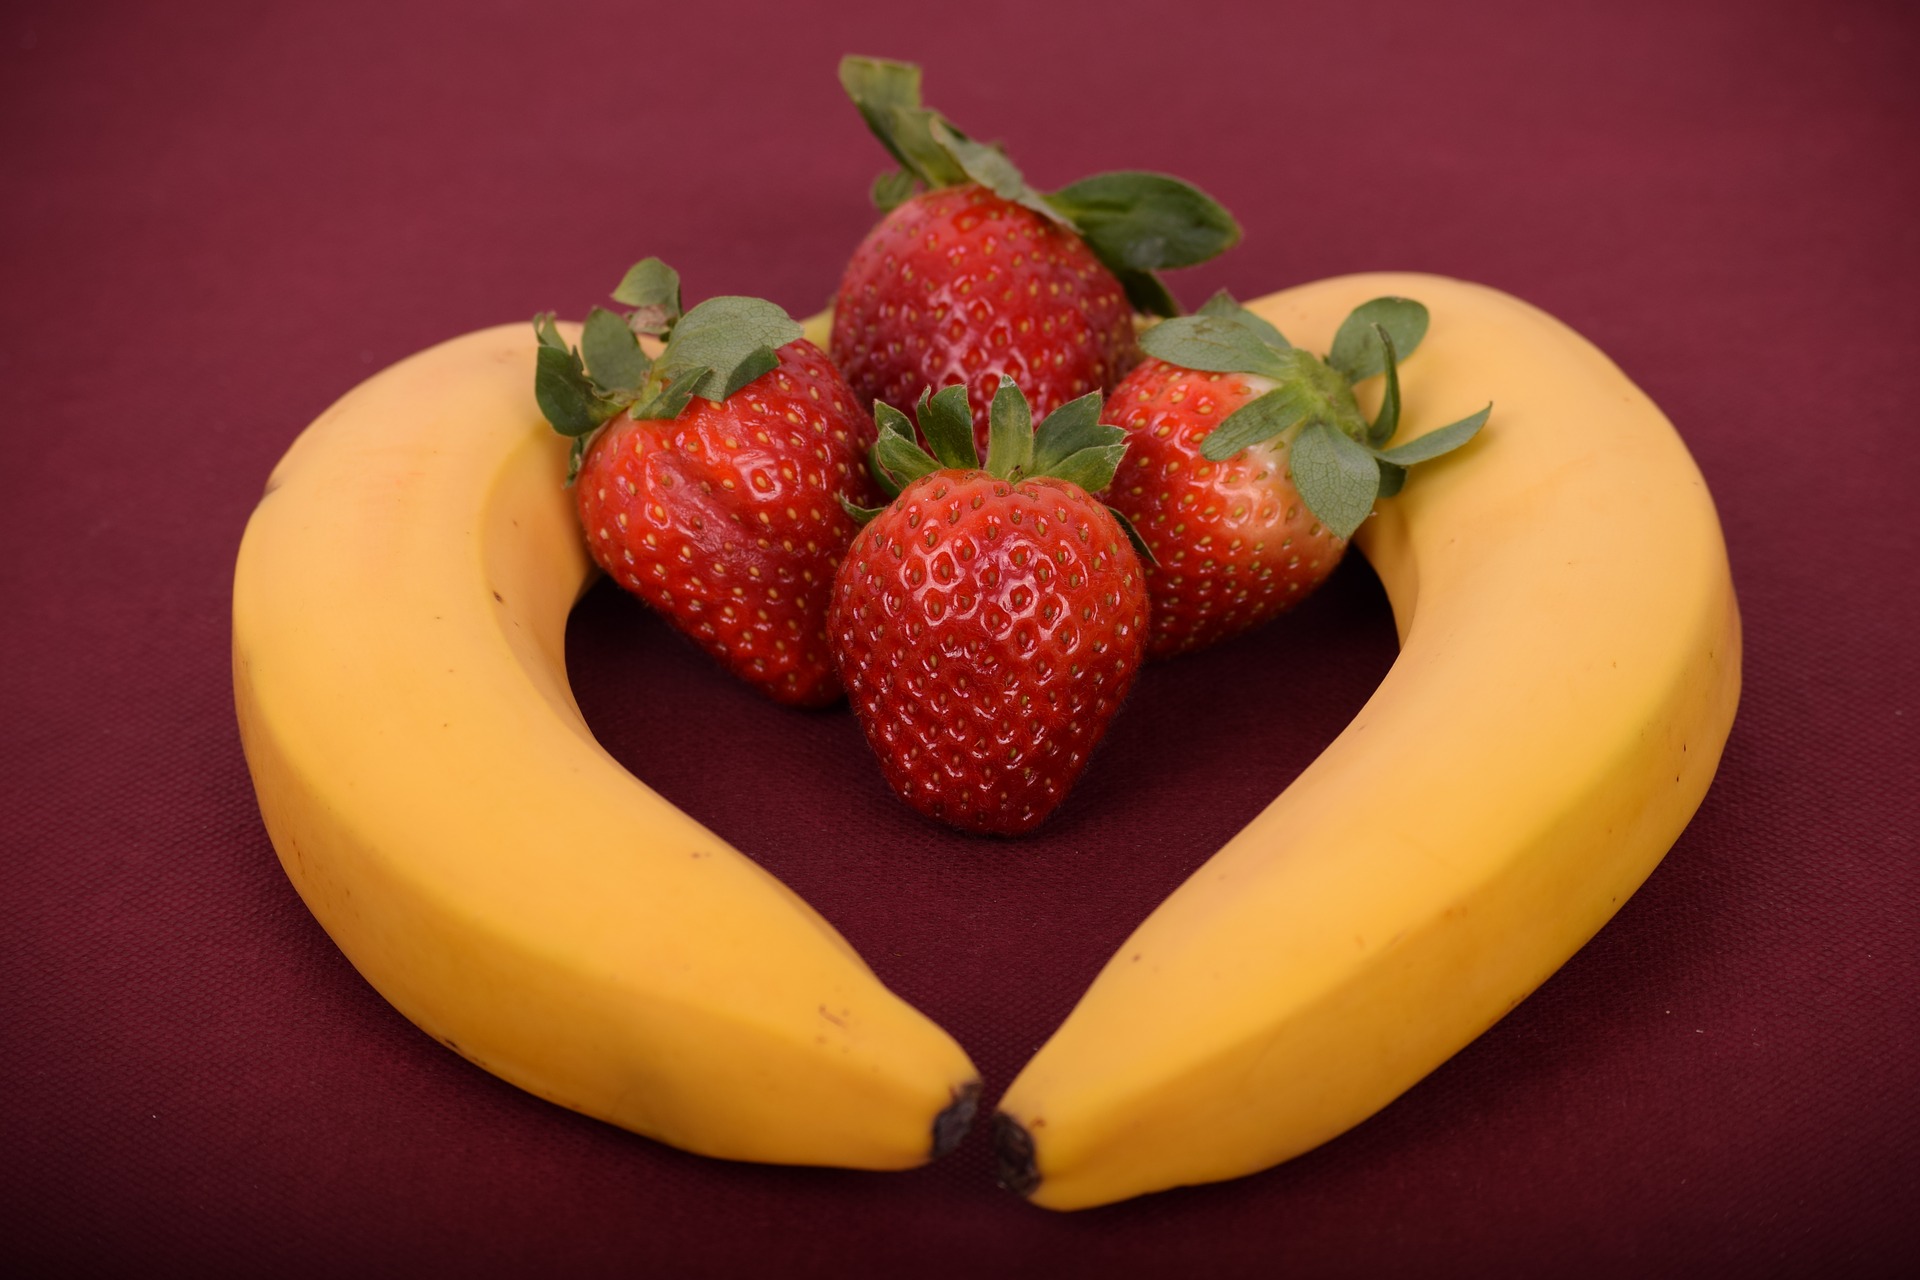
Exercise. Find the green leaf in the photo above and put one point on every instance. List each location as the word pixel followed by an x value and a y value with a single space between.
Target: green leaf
pixel 652 289
pixel 878 86
pixel 888 482
pixel 565 397
pixel 1392 478
pixel 1092 469
pixel 1140 546
pixel 1010 435
pixel 947 423
pixel 1147 293
pixel 896 452
pixel 613 355
pixel 1263 418
pixel 1438 441
pixel 1382 428
pixel 990 167
pixel 860 514
pixel 902 459
pixel 1146 221
pixel 548 332
pixel 1215 344
pixel 1222 305
pixel 880 82
pixel 1337 477
pixel 1264 331
pixel 576 454
pixel 1356 347
pixel 725 335
pixel 892 189
pixel 891 422
pixel 927 158
pixel 724 382
pixel 680 384
pixel 888 96
pixel 1072 427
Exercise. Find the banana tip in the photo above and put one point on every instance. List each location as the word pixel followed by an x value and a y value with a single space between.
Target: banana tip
pixel 1013 1163
pixel 951 1125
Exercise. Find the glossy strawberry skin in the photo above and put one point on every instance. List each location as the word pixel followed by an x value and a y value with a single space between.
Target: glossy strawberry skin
pixel 957 285
pixel 987 632
pixel 1234 544
pixel 727 519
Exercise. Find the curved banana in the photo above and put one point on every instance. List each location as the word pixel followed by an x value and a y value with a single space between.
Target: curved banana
pixel 399 624
pixel 1569 665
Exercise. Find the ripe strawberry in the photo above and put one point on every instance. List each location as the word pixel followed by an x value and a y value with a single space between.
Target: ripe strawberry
pixel 989 620
pixel 1249 463
pixel 710 479
pixel 961 286
pixel 980 277
pixel 1234 542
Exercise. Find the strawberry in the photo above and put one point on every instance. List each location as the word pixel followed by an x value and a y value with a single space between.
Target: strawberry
pixel 990 619
pixel 1249 464
pixel 973 276
pixel 960 285
pixel 711 479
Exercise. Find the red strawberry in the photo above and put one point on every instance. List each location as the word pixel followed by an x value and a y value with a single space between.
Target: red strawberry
pixel 989 621
pixel 1234 544
pixel 961 286
pixel 711 479
pixel 980 277
pixel 1249 463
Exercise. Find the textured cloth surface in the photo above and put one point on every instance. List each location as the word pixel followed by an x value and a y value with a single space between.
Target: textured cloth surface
pixel 218 217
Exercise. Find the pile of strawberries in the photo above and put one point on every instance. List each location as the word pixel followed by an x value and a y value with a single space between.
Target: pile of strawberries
pixel 887 519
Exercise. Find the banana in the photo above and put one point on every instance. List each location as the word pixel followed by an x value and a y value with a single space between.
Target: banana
pixel 399 618
pixel 1569 667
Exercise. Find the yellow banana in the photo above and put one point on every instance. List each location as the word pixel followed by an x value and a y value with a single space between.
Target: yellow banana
pixel 1569 666
pixel 399 619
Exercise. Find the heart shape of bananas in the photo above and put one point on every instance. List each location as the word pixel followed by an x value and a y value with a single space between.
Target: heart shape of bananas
pixel 1568 673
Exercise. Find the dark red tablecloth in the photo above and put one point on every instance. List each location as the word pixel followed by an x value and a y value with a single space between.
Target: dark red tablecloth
pixel 218 217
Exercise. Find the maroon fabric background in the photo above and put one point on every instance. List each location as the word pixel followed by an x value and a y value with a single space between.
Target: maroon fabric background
pixel 219 217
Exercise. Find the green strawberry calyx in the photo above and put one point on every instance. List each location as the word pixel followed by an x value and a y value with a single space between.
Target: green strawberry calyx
pixel 711 351
pixel 1070 444
pixel 1341 463
pixel 1135 223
